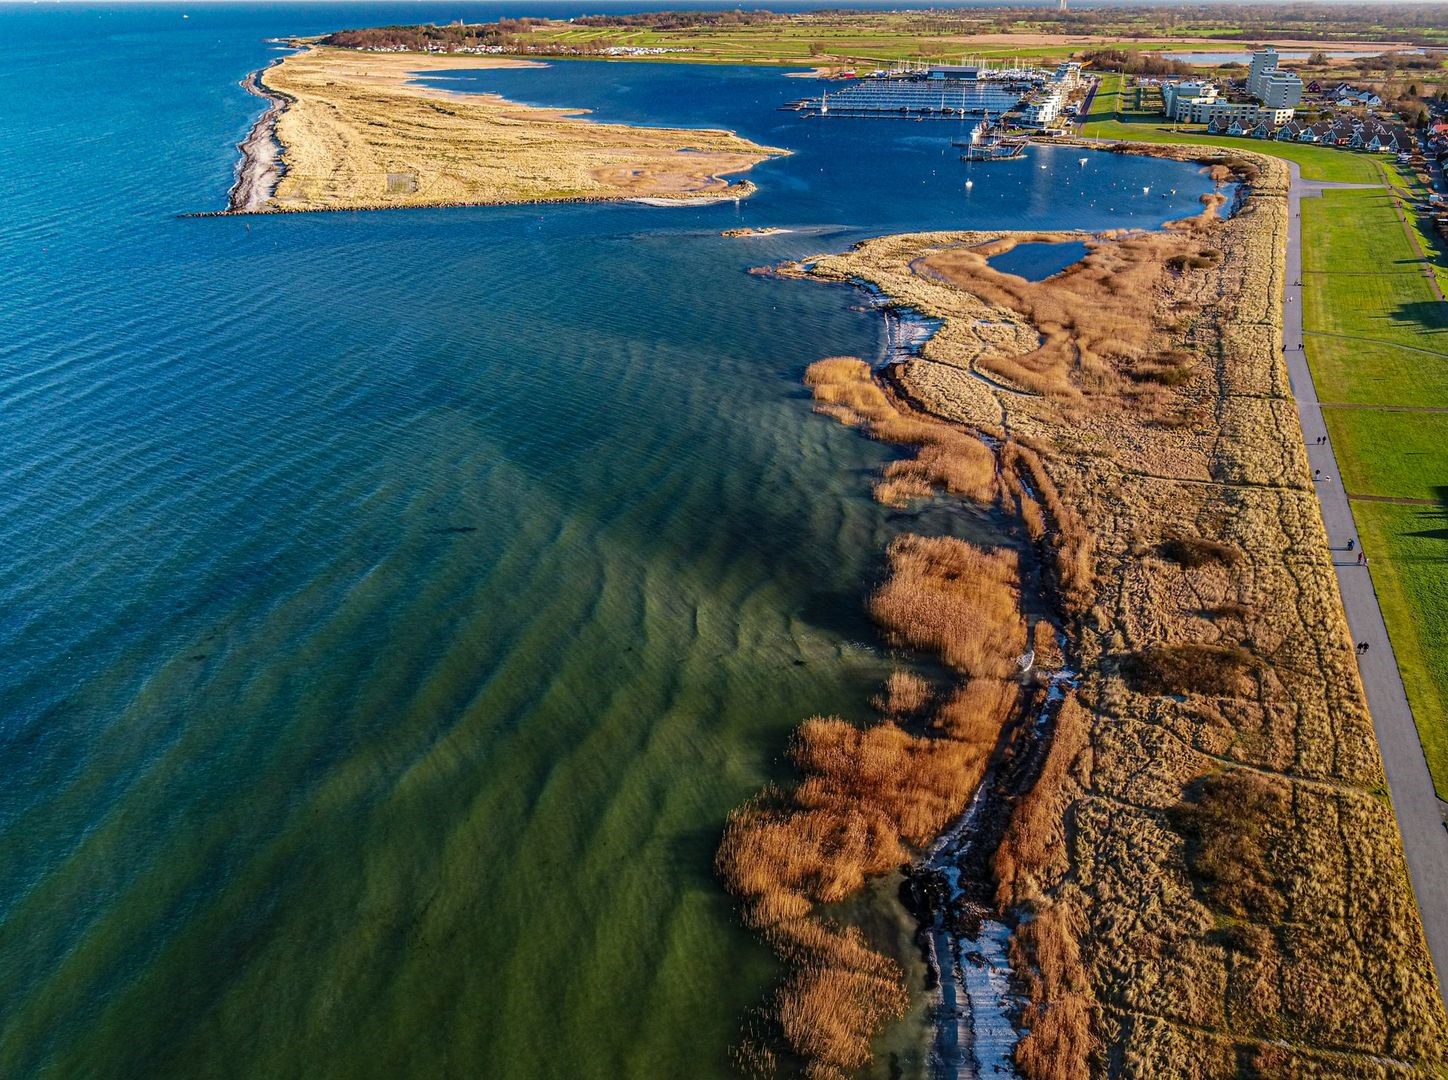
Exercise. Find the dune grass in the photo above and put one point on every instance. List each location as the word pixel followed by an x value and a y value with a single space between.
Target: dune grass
pixel 361 133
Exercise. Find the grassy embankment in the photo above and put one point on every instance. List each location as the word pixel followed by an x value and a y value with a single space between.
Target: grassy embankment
pixel 1377 340
pixel 359 133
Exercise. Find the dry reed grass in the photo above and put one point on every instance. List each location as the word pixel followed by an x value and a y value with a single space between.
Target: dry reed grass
pixel 869 797
pixel 955 600
pixel 1096 320
pixel 946 460
pixel 906 694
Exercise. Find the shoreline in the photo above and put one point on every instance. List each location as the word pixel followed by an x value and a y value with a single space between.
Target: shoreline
pixel 1167 426
pixel 260 167
pixel 741 189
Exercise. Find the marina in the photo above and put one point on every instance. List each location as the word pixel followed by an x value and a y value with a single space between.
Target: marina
pixel 1031 97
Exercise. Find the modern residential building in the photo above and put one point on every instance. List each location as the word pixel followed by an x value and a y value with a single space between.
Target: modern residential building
pixel 1044 107
pixel 1269 84
pixel 1264 61
pixel 1180 99
pixel 1280 90
pixel 1206 108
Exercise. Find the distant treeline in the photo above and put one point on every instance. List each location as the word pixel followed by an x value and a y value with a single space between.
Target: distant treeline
pixel 681 20
pixel 423 38
pixel 1135 63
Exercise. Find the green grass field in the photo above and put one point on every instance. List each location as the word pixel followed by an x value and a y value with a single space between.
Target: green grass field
pixel 1317 162
pixel 1363 280
pixel 1409 550
pixel 1363 284
pixel 1399 455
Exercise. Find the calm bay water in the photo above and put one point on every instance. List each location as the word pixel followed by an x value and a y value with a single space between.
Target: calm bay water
pixel 395 604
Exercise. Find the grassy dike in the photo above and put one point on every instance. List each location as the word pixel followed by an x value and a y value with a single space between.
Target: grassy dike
pixel 1378 348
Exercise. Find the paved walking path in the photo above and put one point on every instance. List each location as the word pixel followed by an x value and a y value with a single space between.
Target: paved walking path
pixel 1420 813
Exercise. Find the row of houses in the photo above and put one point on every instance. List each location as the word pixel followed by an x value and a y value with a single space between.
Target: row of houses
pixel 1345 95
pixel 1348 133
pixel 1435 141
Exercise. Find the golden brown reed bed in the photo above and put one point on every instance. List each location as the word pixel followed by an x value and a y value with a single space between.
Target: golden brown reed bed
pixel 1206 878
pixel 869 798
pixel 361 133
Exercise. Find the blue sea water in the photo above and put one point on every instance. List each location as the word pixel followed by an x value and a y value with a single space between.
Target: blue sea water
pixel 394 604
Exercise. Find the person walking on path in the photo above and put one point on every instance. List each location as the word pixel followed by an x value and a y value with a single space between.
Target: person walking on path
pixel 1362 558
pixel 1351 544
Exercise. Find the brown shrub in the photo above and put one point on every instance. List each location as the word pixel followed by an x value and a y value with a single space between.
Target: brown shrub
pixel 1198 551
pixel 948 459
pixel 867 797
pixel 1211 670
pixel 1035 837
pixel 1069 535
pixel 1225 820
pixel 905 693
pixel 976 712
pixel 838 993
pixel 836 370
pixel 1059 1037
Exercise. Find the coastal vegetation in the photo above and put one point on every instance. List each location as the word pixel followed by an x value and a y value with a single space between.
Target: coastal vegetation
pixel 868 798
pixel 358 132
pixel 1375 336
pixel 1204 878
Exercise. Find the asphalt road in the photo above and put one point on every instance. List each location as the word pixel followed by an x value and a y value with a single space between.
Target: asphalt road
pixel 1420 813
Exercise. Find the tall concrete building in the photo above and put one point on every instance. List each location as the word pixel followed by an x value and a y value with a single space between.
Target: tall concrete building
pixel 1280 90
pixel 1264 62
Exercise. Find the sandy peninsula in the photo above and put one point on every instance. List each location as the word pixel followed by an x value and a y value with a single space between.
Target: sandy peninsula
pixel 359 130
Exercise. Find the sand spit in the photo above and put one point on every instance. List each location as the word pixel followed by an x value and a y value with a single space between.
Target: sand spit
pixel 259 168
pixel 1200 871
pixel 366 131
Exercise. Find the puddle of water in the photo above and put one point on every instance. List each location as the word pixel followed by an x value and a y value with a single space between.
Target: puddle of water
pixel 1037 260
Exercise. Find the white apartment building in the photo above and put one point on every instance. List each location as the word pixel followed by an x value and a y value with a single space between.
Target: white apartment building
pixel 1264 61
pixel 1182 98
